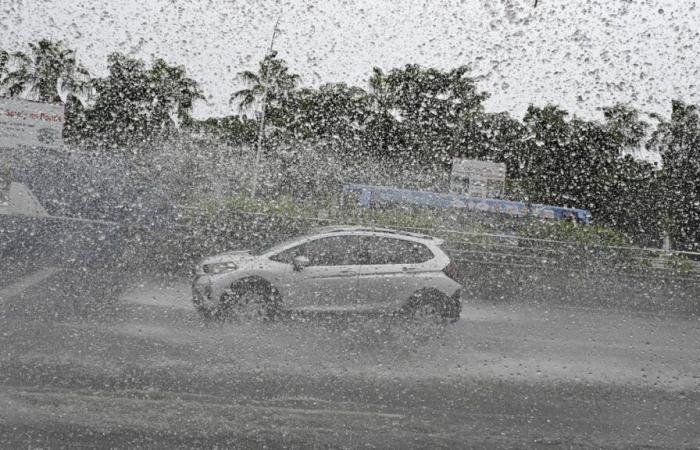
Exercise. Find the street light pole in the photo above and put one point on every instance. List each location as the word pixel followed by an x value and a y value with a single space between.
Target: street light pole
pixel 263 106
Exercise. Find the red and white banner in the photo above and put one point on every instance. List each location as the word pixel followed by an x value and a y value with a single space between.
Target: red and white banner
pixel 28 123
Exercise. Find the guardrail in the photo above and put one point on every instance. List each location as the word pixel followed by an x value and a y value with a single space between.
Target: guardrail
pixel 514 250
pixel 496 267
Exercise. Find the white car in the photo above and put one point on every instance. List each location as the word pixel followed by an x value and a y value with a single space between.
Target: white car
pixel 336 269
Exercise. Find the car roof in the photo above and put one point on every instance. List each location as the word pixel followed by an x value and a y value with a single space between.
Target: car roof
pixel 369 229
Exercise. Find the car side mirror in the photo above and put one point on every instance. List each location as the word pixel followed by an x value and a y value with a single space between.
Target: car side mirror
pixel 300 262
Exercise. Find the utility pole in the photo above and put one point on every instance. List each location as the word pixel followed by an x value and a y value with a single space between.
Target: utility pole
pixel 263 106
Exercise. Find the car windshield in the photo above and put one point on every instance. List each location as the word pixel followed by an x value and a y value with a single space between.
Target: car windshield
pixel 262 248
pixel 496 205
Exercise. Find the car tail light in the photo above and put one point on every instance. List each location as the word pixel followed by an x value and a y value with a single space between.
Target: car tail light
pixel 452 271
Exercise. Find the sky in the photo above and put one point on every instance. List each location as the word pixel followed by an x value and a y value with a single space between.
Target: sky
pixel 581 55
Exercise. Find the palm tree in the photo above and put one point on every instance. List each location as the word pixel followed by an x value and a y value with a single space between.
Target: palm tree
pixel 175 90
pixel 4 59
pixel 272 83
pixel 49 73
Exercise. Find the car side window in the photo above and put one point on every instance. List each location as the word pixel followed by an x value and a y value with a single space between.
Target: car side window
pixel 385 250
pixel 330 251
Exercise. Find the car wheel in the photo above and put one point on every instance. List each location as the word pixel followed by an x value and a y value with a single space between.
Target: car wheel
pixel 428 308
pixel 423 319
pixel 249 300
pixel 429 313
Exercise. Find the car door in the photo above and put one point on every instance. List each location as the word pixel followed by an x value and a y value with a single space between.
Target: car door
pixel 329 282
pixel 394 270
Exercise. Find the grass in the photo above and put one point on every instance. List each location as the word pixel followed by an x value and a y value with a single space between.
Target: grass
pixel 328 210
pixel 580 234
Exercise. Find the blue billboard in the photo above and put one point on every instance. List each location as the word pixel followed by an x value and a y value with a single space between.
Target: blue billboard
pixel 370 195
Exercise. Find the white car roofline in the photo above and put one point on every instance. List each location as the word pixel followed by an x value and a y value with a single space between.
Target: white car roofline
pixel 370 229
pixel 357 231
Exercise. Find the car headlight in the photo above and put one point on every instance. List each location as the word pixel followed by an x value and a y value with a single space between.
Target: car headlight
pixel 219 267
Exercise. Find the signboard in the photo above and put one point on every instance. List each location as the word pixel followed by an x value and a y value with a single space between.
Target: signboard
pixel 386 196
pixel 27 123
pixel 474 178
pixel 21 201
pixel 5 183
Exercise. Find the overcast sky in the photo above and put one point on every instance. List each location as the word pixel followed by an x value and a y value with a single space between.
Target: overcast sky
pixel 578 54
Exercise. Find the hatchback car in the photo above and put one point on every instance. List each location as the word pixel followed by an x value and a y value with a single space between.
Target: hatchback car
pixel 333 270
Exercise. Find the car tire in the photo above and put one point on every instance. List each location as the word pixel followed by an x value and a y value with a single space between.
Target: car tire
pixel 428 306
pixel 252 299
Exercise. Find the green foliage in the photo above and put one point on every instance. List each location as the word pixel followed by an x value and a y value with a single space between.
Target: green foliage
pixel 135 104
pixel 232 130
pixel 322 210
pixel 420 117
pixel 678 141
pixel 624 125
pixel 273 81
pixel 4 60
pixel 570 232
pixel 47 72
pixel 581 164
pixel 432 111
pixel 333 111
pixel 283 205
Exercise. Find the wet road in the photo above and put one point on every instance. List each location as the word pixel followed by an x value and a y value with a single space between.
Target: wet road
pixel 143 370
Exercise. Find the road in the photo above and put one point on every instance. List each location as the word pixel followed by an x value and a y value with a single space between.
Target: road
pixel 143 370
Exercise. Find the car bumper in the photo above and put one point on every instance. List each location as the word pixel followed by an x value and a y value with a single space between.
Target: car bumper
pixel 202 294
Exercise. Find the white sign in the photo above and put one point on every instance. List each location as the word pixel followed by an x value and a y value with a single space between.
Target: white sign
pixel 5 183
pixel 27 123
pixel 19 200
pixel 474 178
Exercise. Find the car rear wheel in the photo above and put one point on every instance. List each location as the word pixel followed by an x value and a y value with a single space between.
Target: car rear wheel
pixel 423 318
pixel 249 300
pixel 428 313
pixel 427 307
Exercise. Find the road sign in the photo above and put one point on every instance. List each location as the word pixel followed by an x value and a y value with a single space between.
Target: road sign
pixel 28 123
pixel 474 178
pixel 5 183
pixel 387 196
pixel 21 201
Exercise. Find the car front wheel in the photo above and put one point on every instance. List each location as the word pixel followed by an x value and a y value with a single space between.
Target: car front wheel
pixel 249 300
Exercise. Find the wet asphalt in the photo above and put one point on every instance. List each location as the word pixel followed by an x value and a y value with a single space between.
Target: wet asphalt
pixel 123 361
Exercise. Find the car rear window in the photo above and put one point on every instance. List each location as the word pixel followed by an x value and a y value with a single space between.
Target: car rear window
pixel 386 250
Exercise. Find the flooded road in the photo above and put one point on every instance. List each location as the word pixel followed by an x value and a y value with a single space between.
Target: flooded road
pixel 144 370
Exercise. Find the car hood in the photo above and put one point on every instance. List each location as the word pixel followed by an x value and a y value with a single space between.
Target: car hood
pixel 239 257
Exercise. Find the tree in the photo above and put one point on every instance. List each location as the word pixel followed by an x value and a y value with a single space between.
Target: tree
pixel 334 111
pixel 271 84
pixel 174 91
pixel 4 60
pixel 434 111
pixel 678 142
pixel 624 125
pixel 135 104
pixel 632 204
pixel 542 158
pixel 495 136
pixel 234 130
pixel 49 73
